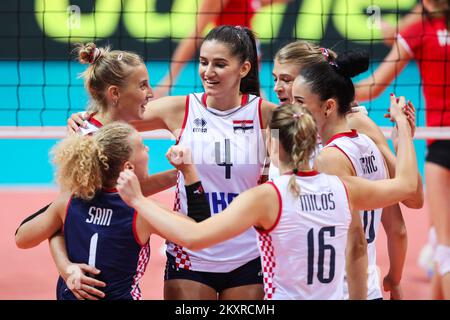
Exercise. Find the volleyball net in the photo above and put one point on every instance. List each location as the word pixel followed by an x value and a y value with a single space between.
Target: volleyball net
pixel 40 85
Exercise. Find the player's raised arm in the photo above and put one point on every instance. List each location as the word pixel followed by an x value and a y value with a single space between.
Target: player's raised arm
pixel 367 195
pixel 251 208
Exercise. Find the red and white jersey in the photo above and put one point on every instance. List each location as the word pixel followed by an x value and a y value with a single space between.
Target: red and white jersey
pixel 427 41
pixel 237 13
pixel 303 254
pixel 228 152
pixel 275 171
pixel 92 125
pixel 368 163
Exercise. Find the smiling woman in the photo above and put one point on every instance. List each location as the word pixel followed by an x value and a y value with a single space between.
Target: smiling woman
pixel 117 81
pixel 208 121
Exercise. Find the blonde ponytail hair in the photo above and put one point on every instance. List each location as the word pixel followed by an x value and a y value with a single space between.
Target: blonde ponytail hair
pixel 297 132
pixel 106 67
pixel 86 164
pixel 300 53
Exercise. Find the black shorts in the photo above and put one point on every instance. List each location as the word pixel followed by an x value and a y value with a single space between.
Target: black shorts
pixel 439 153
pixel 248 274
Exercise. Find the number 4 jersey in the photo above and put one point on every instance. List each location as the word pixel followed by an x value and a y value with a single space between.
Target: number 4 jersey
pixel 228 152
pixel 303 254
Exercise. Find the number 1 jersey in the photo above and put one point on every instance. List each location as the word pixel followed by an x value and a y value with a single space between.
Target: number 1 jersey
pixel 102 233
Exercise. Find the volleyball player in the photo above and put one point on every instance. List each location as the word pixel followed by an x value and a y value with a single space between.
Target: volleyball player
pixel 223 127
pixel 327 90
pixel 302 217
pixel 100 230
pixel 426 42
pixel 288 62
pixel 118 86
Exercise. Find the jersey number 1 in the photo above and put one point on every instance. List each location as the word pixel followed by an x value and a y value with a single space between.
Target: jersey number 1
pixel 93 250
pixel 320 263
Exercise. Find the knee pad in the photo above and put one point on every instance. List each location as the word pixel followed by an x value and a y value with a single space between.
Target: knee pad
pixel 442 259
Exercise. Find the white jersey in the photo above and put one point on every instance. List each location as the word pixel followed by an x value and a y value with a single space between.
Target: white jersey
pixel 92 125
pixel 368 163
pixel 228 152
pixel 303 255
pixel 274 171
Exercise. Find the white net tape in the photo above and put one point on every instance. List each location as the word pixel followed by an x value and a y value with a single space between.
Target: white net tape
pixel 437 133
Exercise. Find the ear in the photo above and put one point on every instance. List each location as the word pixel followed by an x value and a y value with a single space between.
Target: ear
pixel 331 106
pixel 245 68
pixel 128 165
pixel 113 93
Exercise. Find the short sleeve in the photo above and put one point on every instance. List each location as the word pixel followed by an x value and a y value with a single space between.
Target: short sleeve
pixel 411 38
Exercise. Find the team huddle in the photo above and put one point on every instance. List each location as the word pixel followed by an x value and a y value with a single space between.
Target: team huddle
pixel 272 201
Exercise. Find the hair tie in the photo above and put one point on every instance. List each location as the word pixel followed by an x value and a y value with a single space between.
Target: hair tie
pixel 328 57
pixel 295 171
pixel 239 30
pixel 94 55
pixel 297 115
pixel 325 53
pixel 120 56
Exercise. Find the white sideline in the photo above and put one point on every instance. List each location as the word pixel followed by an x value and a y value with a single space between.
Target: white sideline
pixel 61 132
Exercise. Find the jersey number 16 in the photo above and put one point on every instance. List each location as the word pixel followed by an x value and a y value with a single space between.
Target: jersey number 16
pixel 322 248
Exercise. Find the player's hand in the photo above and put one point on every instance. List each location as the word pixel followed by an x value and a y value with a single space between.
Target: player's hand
pixel 129 188
pixel 81 285
pixel 410 112
pixel 76 121
pixel 179 157
pixel 396 110
pixel 395 290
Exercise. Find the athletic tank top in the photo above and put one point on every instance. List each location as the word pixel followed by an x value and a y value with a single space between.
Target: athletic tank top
pixel 274 171
pixel 102 233
pixel 237 13
pixel 92 125
pixel 368 163
pixel 228 152
pixel 303 254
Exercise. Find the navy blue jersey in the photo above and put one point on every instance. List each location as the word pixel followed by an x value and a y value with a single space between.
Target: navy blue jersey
pixel 101 232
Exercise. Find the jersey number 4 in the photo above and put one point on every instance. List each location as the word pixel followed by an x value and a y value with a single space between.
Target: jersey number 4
pixel 322 249
pixel 227 163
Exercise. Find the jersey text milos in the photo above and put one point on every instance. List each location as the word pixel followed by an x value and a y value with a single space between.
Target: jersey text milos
pixel 303 255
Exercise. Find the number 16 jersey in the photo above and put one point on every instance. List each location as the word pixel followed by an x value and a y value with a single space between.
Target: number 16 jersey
pixel 303 253
pixel 228 152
